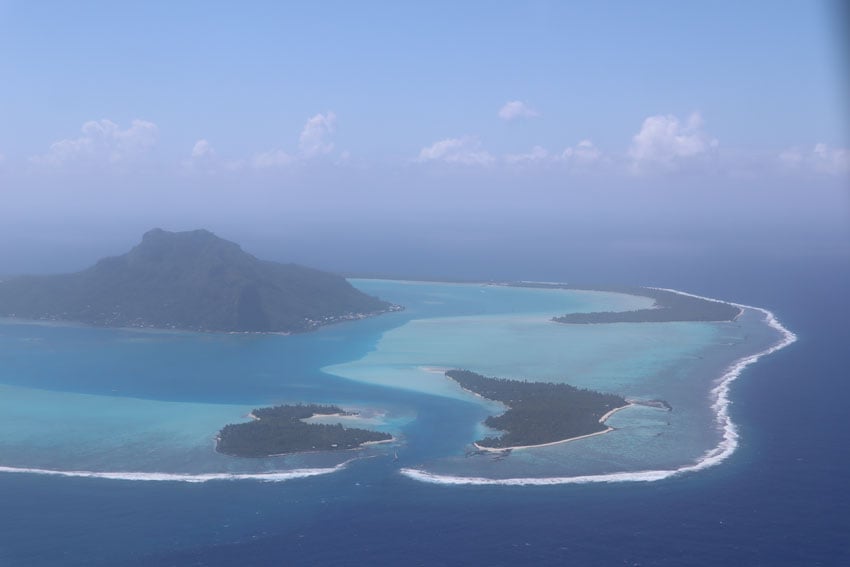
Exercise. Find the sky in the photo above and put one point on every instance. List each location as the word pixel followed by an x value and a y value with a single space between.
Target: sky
pixel 306 128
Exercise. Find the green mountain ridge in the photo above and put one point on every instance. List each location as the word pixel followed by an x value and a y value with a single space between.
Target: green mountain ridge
pixel 190 280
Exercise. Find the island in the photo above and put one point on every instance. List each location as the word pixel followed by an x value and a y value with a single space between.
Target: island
pixel 190 280
pixel 539 413
pixel 670 306
pixel 281 430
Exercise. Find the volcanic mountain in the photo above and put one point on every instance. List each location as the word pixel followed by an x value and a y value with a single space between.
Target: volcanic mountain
pixel 194 281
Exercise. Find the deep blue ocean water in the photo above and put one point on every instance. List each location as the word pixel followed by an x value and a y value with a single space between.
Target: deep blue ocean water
pixel 781 499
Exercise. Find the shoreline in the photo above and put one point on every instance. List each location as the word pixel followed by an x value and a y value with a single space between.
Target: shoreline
pixel 334 447
pixel 271 476
pixel 333 450
pixel 476 394
pixel 392 439
pixel 393 308
pixel 719 402
pixel 560 441
pixel 152 329
pixel 710 458
pixel 522 284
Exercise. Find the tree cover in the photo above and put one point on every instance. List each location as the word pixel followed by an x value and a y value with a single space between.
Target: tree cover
pixel 280 429
pixel 194 281
pixel 669 307
pixel 538 412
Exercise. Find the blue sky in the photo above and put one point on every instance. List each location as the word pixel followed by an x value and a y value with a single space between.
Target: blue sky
pixel 118 116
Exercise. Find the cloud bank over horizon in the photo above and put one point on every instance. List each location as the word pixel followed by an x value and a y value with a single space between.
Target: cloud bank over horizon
pixel 451 115
pixel 102 141
pixel 663 145
pixel 665 141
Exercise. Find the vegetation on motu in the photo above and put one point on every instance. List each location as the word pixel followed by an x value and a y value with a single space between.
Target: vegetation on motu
pixel 280 429
pixel 538 412
pixel 190 280
pixel 669 307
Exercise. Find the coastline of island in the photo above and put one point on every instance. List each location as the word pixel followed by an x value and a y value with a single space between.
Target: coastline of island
pixel 539 413
pixel 282 430
pixel 719 398
pixel 720 401
pixel 670 305
pixel 602 420
pixel 190 281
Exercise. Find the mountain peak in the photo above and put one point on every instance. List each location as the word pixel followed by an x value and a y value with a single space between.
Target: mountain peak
pixel 162 233
pixel 198 235
pixel 185 247
pixel 190 280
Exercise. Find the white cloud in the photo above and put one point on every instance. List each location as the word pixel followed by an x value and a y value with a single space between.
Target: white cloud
pixel 821 158
pixel 582 153
pixel 202 158
pixel 344 158
pixel 666 142
pixel 516 109
pixel 202 150
pixel 314 139
pixel 831 160
pixel 103 140
pixel 272 158
pixel 536 155
pixel 791 158
pixel 466 151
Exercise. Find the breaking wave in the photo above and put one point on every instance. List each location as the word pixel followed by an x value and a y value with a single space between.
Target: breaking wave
pixel 272 476
pixel 720 396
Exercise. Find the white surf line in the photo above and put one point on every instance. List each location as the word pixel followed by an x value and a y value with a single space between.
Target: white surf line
pixel 274 476
pixel 712 457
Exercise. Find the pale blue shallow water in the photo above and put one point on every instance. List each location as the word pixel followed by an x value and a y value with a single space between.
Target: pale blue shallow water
pixel 779 500
pixel 100 400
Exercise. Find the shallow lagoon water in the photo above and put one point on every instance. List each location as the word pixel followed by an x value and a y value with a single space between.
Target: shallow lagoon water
pixel 679 363
pixel 105 400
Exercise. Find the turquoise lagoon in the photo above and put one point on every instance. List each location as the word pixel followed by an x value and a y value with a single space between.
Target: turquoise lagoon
pixel 148 404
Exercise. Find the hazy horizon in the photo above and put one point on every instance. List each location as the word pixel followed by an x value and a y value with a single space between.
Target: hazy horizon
pixel 379 138
pixel 699 147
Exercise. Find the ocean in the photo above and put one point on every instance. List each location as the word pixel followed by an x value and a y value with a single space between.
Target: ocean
pixel 779 499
